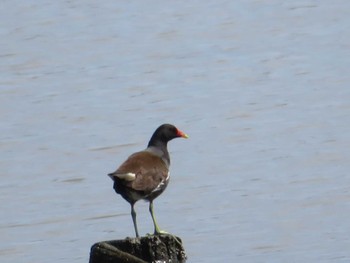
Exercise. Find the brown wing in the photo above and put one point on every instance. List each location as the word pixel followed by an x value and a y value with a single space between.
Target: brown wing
pixel 150 171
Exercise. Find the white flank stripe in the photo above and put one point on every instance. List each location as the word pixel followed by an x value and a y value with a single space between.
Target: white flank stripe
pixel 160 185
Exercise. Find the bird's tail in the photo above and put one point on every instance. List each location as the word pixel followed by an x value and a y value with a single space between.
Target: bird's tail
pixel 111 175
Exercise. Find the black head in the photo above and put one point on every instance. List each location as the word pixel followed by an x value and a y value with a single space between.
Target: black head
pixel 165 133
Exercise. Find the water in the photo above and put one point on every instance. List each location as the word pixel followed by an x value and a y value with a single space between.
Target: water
pixel 261 87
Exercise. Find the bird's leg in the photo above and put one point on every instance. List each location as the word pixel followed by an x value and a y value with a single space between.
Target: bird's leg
pixel 156 227
pixel 157 230
pixel 133 215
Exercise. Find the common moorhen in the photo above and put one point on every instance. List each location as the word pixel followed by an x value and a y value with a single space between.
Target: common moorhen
pixel 145 174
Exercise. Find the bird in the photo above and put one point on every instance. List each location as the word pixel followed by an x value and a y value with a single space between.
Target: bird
pixel 145 174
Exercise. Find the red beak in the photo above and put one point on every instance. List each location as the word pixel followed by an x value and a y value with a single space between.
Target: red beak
pixel 181 134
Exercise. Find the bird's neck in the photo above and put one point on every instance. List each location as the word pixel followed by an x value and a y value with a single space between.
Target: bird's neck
pixel 159 148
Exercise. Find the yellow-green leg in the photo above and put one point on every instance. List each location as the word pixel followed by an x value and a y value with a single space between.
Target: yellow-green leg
pixel 157 230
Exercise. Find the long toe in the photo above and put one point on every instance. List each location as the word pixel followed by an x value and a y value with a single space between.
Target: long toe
pixel 161 232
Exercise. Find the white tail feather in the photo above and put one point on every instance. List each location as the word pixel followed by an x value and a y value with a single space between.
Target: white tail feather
pixel 126 176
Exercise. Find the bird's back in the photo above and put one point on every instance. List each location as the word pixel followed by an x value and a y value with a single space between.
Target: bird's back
pixel 143 175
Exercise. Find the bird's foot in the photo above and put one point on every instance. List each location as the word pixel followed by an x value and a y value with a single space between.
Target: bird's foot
pixel 162 232
pixel 158 232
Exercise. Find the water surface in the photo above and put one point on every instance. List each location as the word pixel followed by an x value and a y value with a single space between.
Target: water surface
pixel 261 87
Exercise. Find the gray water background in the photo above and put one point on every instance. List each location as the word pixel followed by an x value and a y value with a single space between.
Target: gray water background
pixel 261 87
